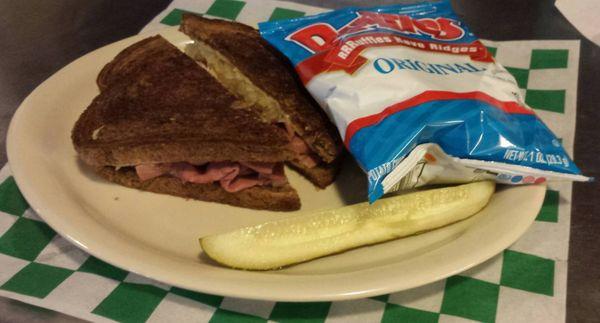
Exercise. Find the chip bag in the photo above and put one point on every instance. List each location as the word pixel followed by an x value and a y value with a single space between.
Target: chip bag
pixel 418 99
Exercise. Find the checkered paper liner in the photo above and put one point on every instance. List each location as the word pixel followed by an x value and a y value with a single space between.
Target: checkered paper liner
pixel 525 283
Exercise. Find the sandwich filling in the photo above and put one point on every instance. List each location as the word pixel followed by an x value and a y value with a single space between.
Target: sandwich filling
pixel 236 82
pixel 254 98
pixel 231 176
pixel 304 155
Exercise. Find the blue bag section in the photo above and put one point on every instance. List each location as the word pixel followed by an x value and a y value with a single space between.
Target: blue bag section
pixel 469 129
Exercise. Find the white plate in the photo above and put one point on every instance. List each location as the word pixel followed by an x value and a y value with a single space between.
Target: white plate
pixel 157 236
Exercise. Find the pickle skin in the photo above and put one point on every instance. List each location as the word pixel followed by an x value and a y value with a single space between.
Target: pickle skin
pixel 276 244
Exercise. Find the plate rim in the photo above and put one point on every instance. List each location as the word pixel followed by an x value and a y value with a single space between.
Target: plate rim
pixel 36 202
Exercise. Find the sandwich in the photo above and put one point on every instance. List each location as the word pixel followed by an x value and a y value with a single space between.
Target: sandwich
pixel 257 73
pixel 162 123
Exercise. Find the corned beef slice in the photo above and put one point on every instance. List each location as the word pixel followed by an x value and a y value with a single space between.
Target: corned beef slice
pixel 232 176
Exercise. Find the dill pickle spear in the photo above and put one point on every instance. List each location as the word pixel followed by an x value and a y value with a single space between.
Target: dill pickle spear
pixel 315 234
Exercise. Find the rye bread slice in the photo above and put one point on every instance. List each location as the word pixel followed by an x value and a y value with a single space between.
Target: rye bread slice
pixel 282 198
pixel 241 48
pixel 321 175
pixel 157 105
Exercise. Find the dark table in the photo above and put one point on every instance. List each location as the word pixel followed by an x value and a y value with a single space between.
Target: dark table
pixel 40 37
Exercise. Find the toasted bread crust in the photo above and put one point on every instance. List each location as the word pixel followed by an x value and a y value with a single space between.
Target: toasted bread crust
pixel 126 64
pixel 270 71
pixel 321 175
pixel 282 198
pixel 190 151
pixel 154 107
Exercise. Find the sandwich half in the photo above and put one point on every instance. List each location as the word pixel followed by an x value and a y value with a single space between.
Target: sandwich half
pixel 256 73
pixel 162 123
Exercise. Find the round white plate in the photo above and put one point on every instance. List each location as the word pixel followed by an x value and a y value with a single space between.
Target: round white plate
pixel 157 235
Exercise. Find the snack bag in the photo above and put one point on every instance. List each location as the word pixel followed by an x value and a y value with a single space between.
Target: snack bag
pixel 418 99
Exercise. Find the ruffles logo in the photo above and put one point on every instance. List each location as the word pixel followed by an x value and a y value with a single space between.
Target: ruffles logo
pixel 321 36
pixel 340 49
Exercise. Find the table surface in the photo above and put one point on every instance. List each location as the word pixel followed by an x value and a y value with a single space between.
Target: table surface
pixel 40 37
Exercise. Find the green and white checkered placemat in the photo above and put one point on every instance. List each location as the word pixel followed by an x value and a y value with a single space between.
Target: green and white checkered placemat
pixel 526 283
